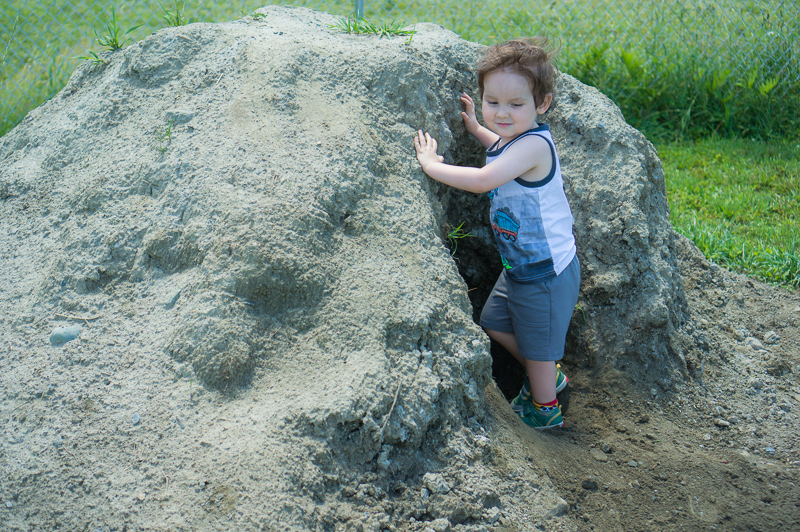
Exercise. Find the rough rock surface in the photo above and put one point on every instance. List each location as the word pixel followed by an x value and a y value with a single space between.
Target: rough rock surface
pixel 260 194
pixel 273 334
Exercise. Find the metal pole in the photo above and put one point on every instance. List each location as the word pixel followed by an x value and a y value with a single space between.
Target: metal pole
pixel 359 8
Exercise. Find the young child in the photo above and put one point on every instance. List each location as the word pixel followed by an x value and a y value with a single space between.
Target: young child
pixel 531 305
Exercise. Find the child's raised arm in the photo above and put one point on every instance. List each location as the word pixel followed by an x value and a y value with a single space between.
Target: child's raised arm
pixel 482 134
pixel 524 156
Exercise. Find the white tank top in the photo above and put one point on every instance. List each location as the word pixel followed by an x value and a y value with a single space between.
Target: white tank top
pixel 531 220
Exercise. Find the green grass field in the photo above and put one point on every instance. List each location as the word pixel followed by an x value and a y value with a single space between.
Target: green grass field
pixel 679 71
pixel 739 201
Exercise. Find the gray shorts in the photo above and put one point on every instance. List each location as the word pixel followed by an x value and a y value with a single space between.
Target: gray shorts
pixel 537 313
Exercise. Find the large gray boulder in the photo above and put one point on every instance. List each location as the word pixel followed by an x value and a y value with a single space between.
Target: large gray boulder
pixel 261 181
pixel 234 215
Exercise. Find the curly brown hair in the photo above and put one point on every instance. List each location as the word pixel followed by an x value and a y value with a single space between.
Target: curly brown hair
pixel 529 57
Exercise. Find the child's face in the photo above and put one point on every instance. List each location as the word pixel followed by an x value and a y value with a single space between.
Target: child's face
pixel 508 105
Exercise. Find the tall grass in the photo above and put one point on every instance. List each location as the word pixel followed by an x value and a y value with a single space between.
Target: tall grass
pixel 681 98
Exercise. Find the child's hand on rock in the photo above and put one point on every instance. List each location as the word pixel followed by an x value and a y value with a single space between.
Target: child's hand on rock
pixel 426 149
pixel 470 120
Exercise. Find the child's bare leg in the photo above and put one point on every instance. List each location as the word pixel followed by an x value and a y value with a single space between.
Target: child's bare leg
pixel 509 341
pixel 542 375
pixel 542 389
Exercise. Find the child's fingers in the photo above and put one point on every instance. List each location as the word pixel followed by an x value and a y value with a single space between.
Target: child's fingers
pixel 424 142
pixel 422 138
pixel 419 140
pixel 431 142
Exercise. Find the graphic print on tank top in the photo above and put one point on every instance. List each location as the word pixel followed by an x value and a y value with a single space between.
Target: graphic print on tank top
pixel 507 229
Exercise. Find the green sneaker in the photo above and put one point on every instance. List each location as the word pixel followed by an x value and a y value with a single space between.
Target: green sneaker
pixel 542 419
pixel 524 397
pixel 561 379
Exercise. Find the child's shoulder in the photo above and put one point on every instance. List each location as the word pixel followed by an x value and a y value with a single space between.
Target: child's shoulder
pixel 531 139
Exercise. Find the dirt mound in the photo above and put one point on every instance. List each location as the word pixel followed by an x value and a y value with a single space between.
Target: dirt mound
pixel 260 194
pixel 228 302
pixel 270 316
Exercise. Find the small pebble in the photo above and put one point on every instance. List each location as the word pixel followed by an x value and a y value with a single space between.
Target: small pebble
pixel 633 463
pixel 180 116
pixel 769 450
pixel 62 335
pixel 754 343
pixel 440 525
pixel 598 455
pixel 721 423
pixel 771 337
pixel 9 504
pixel 561 508
pixel 435 483
pixel 136 418
pixel 171 298
pixel 589 484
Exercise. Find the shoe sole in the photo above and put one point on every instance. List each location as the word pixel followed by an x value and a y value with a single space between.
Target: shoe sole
pixel 558 425
pixel 561 424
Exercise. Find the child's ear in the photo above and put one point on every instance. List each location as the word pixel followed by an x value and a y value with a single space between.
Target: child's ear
pixel 548 99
